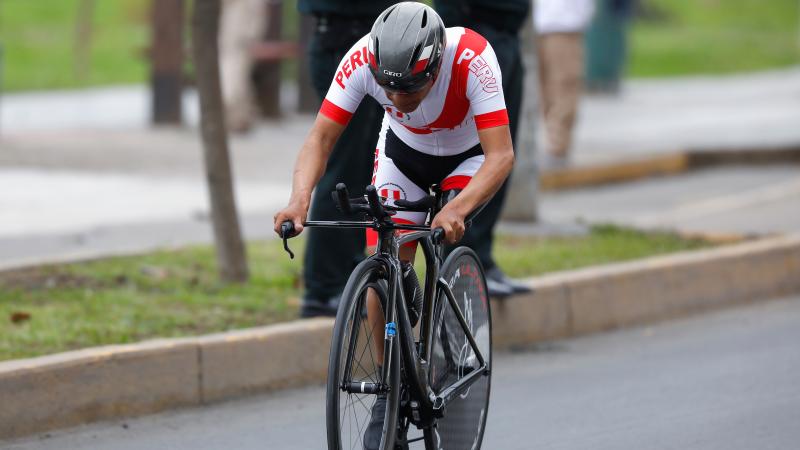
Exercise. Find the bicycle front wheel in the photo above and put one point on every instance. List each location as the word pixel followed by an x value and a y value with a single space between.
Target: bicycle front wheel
pixel 354 368
pixel 452 357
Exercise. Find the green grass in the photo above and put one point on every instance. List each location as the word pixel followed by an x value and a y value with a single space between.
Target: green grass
pixel 676 37
pixel 176 293
pixel 39 42
pixel 683 37
pixel 527 256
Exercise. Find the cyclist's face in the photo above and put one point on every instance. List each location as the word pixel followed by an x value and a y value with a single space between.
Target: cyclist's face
pixel 408 102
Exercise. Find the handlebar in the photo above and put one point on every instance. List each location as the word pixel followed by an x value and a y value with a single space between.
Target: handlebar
pixel 343 198
pixel 376 207
pixel 287 231
pixel 373 207
pixel 437 236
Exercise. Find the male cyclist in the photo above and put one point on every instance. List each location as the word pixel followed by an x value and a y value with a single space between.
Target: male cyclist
pixel 445 124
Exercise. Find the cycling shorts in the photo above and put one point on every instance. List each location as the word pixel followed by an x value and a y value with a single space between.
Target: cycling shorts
pixel 400 172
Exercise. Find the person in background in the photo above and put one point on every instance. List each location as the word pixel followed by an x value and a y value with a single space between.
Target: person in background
pixel 560 25
pixel 606 46
pixel 499 21
pixel 338 25
pixel 242 25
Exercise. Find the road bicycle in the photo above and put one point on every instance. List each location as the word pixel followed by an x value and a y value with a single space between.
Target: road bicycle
pixel 435 372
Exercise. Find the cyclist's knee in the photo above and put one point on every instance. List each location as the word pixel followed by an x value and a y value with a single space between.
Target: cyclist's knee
pixel 449 195
pixel 407 254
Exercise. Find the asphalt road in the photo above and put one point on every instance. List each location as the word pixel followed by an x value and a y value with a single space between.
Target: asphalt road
pixel 726 380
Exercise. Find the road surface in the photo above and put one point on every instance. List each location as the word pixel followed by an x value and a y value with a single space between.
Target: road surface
pixel 726 380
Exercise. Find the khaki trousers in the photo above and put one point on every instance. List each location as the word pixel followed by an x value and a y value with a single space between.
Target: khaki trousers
pixel 560 85
pixel 242 25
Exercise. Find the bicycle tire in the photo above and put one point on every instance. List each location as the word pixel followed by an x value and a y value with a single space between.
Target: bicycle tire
pixel 464 420
pixel 354 408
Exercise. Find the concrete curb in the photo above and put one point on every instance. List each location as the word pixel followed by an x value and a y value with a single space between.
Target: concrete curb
pixel 666 164
pixel 576 177
pixel 117 381
pixel 605 297
pixel 100 383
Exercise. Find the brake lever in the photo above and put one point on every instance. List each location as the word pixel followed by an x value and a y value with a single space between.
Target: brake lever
pixel 375 205
pixel 437 236
pixel 287 230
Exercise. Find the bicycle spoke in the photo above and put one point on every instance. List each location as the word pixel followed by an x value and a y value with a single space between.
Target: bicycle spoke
pixel 355 361
pixel 367 347
pixel 360 427
pixel 354 417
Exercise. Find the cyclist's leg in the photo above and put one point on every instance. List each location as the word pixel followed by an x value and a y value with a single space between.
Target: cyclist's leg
pixel 393 184
pixel 460 177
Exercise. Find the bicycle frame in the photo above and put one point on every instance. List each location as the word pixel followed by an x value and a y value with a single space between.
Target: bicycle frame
pixel 426 404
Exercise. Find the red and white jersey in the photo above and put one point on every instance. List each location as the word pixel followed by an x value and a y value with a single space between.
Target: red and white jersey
pixel 466 96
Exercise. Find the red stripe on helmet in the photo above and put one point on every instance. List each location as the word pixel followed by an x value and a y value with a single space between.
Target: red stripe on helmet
pixel 419 66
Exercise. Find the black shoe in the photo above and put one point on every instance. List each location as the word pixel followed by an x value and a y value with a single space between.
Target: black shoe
pixel 374 430
pixel 496 276
pixel 320 308
pixel 498 289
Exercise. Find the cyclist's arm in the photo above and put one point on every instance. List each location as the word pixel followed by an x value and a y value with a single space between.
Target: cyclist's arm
pixel 499 154
pixel 499 159
pixel 313 157
pixel 308 169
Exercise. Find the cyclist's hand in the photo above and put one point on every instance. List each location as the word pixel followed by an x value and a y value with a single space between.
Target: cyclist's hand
pixel 452 223
pixel 294 213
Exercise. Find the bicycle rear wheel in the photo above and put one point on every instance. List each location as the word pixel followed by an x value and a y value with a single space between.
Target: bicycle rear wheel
pixel 452 358
pixel 353 362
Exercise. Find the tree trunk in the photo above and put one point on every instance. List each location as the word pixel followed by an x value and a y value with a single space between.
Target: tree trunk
pixel 231 256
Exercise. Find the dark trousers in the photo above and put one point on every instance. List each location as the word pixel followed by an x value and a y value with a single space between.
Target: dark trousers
pixel 506 45
pixel 331 255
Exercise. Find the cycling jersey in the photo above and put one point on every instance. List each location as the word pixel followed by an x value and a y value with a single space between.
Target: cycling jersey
pixel 438 142
pixel 466 96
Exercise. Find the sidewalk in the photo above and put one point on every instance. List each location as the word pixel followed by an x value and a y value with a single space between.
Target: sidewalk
pixel 664 115
pixel 650 116
pixel 82 172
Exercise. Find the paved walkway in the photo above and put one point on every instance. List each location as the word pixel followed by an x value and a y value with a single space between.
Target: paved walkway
pixel 76 164
pixel 650 116
pixel 656 116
